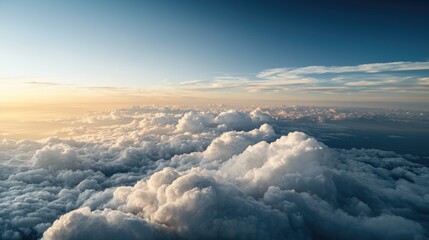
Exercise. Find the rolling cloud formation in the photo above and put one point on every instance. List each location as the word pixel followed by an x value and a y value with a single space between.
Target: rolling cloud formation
pixel 172 173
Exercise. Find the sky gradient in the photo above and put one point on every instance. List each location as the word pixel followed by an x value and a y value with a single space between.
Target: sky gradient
pixel 214 119
pixel 178 50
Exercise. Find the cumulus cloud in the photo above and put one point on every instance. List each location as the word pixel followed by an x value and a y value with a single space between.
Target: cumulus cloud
pixel 295 188
pixel 232 143
pixel 194 122
pixel 173 173
pixel 106 224
pixel 56 158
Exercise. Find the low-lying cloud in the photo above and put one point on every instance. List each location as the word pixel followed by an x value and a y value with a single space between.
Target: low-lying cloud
pixel 173 173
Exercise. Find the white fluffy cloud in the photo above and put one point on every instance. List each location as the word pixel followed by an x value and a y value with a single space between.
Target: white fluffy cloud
pixel 107 224
pixel 231 143
pixel 170 173
pixel 56 158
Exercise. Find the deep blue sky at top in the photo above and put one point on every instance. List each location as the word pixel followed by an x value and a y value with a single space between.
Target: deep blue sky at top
pixel 144 42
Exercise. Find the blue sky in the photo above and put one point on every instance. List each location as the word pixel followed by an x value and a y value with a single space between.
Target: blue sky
pixel 145 44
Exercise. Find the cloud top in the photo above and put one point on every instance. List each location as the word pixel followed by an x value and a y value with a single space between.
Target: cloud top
pixel 173 173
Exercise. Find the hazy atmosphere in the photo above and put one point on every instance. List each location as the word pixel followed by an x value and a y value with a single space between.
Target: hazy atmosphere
pixel 214 119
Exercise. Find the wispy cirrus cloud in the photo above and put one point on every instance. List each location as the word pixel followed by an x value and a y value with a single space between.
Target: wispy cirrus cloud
pixel 391 77
pixel 424 81
pixel 371 83
pixel 362 68
pixel 42 83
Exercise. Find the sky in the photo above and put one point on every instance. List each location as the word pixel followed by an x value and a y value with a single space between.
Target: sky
pixel 169 51
pixel 214 119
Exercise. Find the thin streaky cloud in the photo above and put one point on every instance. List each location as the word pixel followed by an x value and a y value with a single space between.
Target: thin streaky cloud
pixel 424 81
pixel 370 83
pixel 193 82
pixel 363 68
pixel 42 83
pixel 365 78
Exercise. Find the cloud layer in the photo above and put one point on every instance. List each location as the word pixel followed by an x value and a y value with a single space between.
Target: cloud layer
pixel 173 173
pixel 387 78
